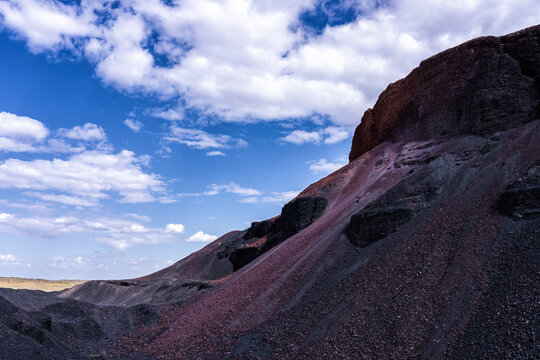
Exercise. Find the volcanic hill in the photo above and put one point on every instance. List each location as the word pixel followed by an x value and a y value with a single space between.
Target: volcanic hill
pixel 425 246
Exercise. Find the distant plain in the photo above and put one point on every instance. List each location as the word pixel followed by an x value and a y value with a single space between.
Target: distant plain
pixel 37 284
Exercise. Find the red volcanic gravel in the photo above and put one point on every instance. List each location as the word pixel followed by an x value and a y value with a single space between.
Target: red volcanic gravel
pixel 416 293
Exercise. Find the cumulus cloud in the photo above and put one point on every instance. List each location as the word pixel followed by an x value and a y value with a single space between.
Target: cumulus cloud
pixel 199 236
pixel 85 178
pixel 20 133
pixel 200 139
pixel 246 60
pixel 300 137
pixel 233 188
pixel 322 166
pixel 24 134
pixel 281 197
pixel 48 24
pixel 174 228
pixel 9 259
pixel 329 135
pixel 87 132
pixel 249 200
pixel 134 125
pixel 117 233
pixel 215 153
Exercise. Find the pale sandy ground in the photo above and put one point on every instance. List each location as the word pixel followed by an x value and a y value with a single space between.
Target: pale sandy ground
pixel 37 284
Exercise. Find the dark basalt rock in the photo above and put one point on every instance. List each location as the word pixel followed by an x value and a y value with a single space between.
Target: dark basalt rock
pixel 295 216
pixel 243 255
pixel 258 229
pixel 522 198
pixel 398 205
pixel 369 226
pixel 299 214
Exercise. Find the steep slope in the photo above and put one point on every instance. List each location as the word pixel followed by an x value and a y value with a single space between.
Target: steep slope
pixel 413 254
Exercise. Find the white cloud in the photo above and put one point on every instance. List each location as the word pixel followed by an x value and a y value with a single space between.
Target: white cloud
pixel 55 145
pixel 79 262
pixel 111 231
pixel 134 125
pixel 281 197
pixel 31 206
pixel 215 153
pixel 91 176
pixel 174 228
pixel 200 139
pixel 329 135
pixel 322 166
pixel 334 134
pixel 15 126
pixel 300 137
pixel 10 259
pixel 48 24
pixel 135 261
pixel 87 132
pixel 170 114
pixel 249 200
pixel 138 217
pixel 4 216
pixel 20 133
pixel 245 60
pixel 64 199
pixel 24 134
pixel 199 236
pixel 215 189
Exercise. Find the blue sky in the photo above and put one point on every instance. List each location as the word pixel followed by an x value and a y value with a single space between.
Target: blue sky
pixel 134 132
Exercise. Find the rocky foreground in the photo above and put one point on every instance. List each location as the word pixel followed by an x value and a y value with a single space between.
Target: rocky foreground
pixel 426 245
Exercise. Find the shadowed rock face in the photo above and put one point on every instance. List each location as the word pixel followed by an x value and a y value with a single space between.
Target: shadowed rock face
pixel 263 236
pixel 522 198
pixel 299 214
pixel 258 229
pixel 399 204
pixel 368 226
pixel 485 85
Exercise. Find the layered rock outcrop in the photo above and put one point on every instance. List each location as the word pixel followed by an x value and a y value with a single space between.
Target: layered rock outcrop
pixel 485 85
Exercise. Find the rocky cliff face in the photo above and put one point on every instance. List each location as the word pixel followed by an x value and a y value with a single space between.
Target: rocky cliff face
pixel 485 85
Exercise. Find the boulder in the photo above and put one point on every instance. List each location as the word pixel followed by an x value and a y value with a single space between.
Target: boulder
pixel 369 226
pixel 299 214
